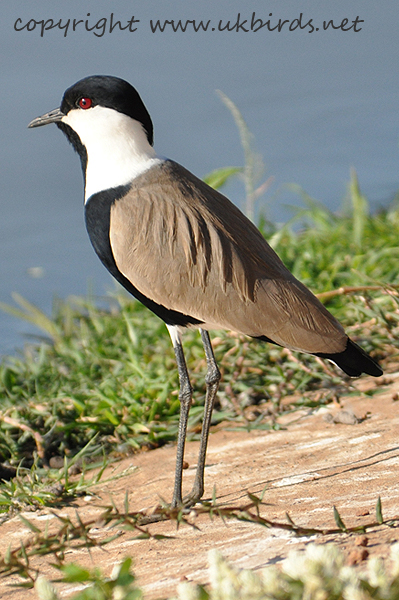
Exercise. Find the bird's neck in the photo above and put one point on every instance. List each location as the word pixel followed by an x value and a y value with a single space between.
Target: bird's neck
pixel 113 147
pixel 117 160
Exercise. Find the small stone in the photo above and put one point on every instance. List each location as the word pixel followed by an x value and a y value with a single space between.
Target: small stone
pixel 361 540
pixel 56 462
pixel 357 556
pixel 346 417
pixel 363 513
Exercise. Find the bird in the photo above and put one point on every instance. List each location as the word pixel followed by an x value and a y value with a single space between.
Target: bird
pixel 185 251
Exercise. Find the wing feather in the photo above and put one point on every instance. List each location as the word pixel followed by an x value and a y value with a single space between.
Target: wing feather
pixel 188 248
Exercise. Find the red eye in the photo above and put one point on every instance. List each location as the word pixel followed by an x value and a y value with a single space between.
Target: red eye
pixel 85 103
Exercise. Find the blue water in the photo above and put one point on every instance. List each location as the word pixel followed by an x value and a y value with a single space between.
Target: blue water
pixel 317 103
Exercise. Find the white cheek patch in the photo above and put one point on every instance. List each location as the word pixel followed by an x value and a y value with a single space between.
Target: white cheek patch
pixel 116 145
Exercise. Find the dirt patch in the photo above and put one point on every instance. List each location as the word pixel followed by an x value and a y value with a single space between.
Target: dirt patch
pixel 307 467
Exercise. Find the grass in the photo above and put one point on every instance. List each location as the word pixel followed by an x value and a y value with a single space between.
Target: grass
pixel 318 573
pixel 295 580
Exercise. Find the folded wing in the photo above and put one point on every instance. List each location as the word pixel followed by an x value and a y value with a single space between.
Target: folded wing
pixel 189 249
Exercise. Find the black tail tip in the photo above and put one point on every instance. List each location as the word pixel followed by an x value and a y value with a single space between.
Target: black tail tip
pixel 354 361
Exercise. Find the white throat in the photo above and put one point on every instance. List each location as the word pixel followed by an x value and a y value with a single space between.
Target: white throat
pixel 116 145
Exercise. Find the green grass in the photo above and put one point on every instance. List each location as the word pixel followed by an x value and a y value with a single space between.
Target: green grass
pixel 320 571
pixel 76 533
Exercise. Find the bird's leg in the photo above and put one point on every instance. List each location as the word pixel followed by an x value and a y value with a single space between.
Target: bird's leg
pixel 212 380
pixel 185 396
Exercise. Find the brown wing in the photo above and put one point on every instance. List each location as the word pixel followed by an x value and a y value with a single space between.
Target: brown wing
pixel 188 248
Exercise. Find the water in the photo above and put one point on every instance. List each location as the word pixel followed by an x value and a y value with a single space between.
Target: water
pixel 317 103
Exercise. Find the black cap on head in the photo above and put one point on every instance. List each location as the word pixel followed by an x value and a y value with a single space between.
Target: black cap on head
pixel 111 92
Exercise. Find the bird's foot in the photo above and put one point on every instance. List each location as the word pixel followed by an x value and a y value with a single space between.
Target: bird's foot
pixel 192 498
pixel 169 511
pixel 165 512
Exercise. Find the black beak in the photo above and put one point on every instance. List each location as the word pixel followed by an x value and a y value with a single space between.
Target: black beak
pixel 54 116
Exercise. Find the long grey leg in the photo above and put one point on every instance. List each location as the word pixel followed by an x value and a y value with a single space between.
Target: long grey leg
pixel 212 380
pixel 185 396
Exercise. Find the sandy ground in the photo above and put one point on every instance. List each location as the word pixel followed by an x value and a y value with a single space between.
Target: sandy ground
pixel 306 467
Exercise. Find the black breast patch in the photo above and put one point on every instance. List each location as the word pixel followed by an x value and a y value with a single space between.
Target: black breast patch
pixel 97 216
